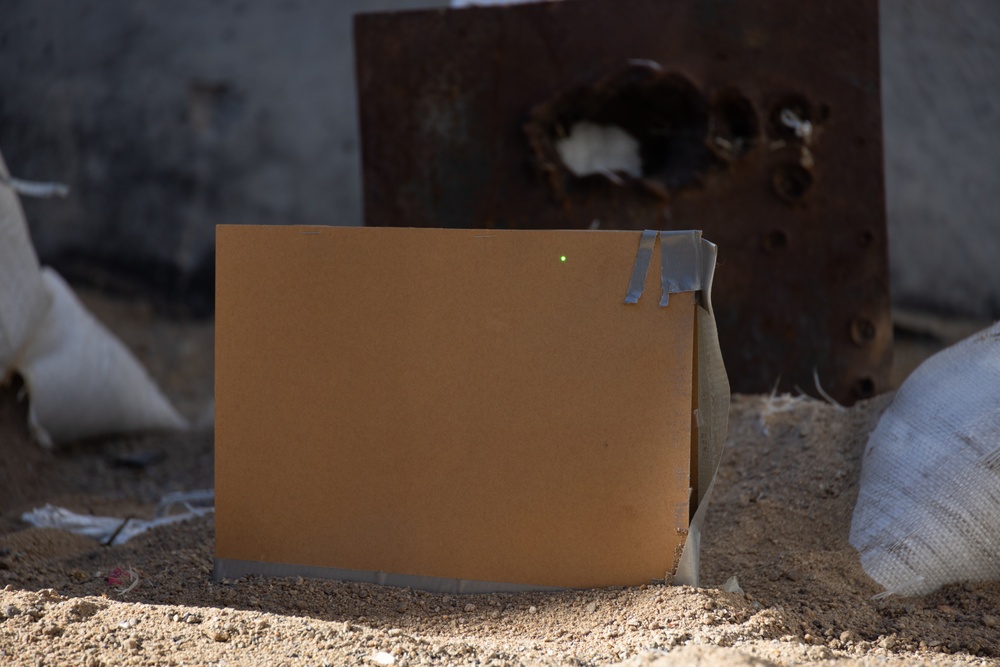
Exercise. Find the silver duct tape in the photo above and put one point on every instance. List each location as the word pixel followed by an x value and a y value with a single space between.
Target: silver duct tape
pixel 681 265
pixel 641 266
pixel 682 268
pixel 231 568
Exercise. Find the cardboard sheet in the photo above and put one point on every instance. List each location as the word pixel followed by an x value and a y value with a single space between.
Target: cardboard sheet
pixel 460 405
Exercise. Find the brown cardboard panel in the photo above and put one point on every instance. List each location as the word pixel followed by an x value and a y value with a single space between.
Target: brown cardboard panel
pixel 450 403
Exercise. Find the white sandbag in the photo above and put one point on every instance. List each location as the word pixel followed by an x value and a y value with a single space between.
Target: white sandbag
pixel 928 511
pixel 82 381
pixel 23 297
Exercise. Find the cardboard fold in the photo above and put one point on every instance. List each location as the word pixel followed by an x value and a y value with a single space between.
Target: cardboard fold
pixel 460 409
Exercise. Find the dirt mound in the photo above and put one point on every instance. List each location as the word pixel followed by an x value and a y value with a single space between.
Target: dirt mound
pixel 778 523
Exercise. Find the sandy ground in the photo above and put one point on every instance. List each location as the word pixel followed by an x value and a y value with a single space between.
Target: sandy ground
pixel 778 523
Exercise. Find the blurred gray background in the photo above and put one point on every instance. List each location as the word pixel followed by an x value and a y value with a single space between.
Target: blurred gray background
pixel 167 118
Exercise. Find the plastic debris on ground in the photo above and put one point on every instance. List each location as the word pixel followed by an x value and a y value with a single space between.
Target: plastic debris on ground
pixel 172 508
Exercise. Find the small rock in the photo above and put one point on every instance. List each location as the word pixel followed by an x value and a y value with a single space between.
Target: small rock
pixel 383 658
pixel 79 576
pixel 888 643
pixel 83 609
pixel 53 631
pixel 10 611
pixel 592 607
pixel 395 632
pixel 847 637
pixel 133 644
pixel 49 595
pixel 470 607
pixel 818 653
pixel 991 621
pixel 402 607
pixel 217 634
pixel 532 609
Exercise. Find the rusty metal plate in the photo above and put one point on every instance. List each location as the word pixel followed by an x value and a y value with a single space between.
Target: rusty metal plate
pixel 759 123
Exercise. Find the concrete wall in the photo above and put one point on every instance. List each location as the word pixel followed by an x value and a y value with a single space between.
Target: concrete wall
pixel 941 99
pixel 169 117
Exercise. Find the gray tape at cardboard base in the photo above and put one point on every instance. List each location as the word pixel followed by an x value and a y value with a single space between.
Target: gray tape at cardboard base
pixel 689 565
pixel 232 568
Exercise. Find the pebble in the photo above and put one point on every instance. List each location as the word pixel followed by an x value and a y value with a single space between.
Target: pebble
pixel 383 658
pixel 217 634
pixel 532 609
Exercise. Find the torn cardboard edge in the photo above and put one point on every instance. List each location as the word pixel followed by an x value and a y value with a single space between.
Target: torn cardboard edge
pixel 687 265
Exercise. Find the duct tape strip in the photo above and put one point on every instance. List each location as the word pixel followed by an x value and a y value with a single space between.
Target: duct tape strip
pixel 641 266
pixel 680 268
pixel 681 264
pixel 232 568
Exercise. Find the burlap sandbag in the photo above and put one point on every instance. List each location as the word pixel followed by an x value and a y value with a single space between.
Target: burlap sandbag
pixel 929 503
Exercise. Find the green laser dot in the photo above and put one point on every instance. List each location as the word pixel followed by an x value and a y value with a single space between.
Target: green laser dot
pixel 562 258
